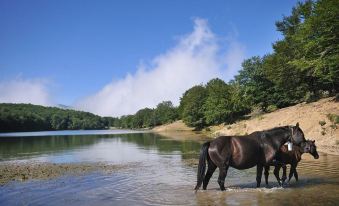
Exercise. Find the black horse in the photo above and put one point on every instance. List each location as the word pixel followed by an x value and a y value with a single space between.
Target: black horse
pixel 243 152
pixel 293 158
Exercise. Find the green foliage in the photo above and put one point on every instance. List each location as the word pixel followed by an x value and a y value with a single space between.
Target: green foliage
pixel 307 58
pixel 28 117
pixel 144 118
pixel 253 82
pixel 165 112
pixel 213 103
pixel 272 108
pixel 304 64
pixel 217 106
pixel 334 118
pixel 191 106
pixel 322 123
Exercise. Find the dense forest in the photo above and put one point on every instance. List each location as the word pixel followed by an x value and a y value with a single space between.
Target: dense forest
pixel 28 117
pixel 303 67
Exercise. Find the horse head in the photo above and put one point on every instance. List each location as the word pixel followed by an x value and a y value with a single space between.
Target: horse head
pixel 297 135
pixel 310 147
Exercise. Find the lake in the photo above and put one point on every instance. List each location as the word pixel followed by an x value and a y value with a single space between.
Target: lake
pixel 156 171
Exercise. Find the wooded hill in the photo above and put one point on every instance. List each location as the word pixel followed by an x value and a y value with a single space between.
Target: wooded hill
pixel 28 117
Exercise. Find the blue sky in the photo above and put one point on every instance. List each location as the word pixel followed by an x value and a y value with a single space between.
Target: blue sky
pixel 74 49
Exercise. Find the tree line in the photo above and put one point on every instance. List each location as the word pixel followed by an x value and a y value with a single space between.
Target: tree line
pixel 302 67
pixel 28 117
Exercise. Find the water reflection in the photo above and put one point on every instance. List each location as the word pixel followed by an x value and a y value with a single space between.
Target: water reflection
pixel 92 147
pixel 158 175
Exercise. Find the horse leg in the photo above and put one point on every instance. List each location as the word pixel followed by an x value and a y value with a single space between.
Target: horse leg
pixel 284 177
pixel 222 176
pixel 291 173
pixel 210 170
pixel 276 173
pixel 267 169
pixel 295 172
pixel 259 174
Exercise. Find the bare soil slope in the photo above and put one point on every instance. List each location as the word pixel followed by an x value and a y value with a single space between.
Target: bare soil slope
pixel 309 117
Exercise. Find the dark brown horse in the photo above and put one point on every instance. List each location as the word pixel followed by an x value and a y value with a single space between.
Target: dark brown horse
pixel 243 152
pixel 293 158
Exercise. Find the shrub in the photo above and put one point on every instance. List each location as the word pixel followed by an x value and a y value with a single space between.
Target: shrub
pixel 334 118
pixel 337 97
pixel 322 123
pixel 271 108
pixel 333 126
pixel 310 97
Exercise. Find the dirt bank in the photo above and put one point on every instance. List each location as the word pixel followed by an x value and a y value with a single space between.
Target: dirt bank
pixel 18 171
pixel 312 118
pixel 179 130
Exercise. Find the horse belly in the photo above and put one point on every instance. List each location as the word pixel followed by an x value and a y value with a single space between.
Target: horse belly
pixel 245 153
pixel 244 161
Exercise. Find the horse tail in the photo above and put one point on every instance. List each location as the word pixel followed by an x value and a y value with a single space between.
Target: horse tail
pixel 202 164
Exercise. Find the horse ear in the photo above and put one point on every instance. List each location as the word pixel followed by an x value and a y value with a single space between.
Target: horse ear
pixel 313 141
pixel 297 125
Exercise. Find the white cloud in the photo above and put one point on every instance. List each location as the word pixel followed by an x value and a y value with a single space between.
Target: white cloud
pixel 197 58
pixel 20 90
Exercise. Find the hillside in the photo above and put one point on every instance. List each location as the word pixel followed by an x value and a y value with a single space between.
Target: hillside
pixel 28 117
pixel 309 117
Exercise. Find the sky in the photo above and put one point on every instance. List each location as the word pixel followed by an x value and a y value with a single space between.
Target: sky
pixel 113 57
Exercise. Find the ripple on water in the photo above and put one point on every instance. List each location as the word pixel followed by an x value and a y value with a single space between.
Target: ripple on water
pixel 165 178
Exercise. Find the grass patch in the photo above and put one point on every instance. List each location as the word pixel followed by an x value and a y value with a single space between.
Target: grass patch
pixel 261 117
pixel 272 108
pixel 333 126
pixel 334 118
pixel 322 123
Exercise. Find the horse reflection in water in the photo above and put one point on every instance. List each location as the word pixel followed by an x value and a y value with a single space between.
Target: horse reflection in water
pixel 243 152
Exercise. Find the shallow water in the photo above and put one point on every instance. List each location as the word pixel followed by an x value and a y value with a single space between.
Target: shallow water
pixel 159 171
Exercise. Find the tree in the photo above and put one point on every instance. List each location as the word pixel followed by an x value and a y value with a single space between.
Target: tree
pixel 218 105
pixel 144 118
pixel 165 112
pixel 306 60
pixel 191 106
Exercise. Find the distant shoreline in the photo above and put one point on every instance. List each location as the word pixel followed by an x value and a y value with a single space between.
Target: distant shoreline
pixel 71 132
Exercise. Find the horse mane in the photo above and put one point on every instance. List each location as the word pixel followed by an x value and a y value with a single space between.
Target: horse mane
pixel 275 129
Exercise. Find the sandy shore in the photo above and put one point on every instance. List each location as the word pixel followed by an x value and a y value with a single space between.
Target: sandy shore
pixel 18 171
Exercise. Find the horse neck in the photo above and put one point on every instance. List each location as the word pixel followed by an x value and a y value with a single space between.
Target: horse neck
pixel 298 150
pixel 278 136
